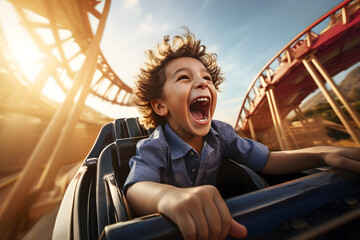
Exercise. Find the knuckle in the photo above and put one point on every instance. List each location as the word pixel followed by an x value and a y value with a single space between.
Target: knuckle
pixel 200 193
pixel 210 190
pixel 210 187
pixel 192 201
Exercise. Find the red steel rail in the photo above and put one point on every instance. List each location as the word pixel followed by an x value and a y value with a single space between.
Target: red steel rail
pixel 289 58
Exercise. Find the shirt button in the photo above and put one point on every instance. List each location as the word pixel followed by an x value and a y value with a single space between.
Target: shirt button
pixel 193 170
pixel 191 153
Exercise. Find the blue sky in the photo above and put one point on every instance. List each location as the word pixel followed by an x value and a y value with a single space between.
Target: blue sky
pixel 245 34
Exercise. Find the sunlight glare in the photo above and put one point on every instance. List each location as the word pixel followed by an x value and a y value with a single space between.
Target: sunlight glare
pixel 21 46
pixel 111 110
pixel 24 51
pixel 53 91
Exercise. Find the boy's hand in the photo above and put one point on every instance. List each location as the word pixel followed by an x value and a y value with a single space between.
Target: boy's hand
pixel 343 157
pixel 200 213
pixel 284 162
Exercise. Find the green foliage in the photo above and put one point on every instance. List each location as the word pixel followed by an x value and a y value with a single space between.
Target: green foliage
pixel 350 86
pixel 324 111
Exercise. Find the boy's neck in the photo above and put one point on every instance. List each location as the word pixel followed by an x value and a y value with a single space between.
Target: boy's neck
pixel 197 143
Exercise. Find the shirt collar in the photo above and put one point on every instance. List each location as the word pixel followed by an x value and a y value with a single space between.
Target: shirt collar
pixel 178 147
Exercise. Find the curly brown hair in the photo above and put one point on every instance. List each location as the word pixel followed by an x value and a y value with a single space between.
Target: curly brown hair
pixel 150 81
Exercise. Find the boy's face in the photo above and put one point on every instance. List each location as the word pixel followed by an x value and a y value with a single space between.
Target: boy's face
pixel 188 99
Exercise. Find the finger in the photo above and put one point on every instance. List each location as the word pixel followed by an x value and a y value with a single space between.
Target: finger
pixel 345 163
pixel 225 217
pixel 187 226
pixel 201 224
pixel 213 219
pixel 352 152
pixel 237 230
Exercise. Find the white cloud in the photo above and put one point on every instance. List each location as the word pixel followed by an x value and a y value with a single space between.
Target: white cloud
pixel 234 100
pixel 228 115
pixel 147 27
pixel 227 110
pixel 213 49
pixel 164 27
pixel 229 67
pixel 151 27
pixel 129 4
pixel 131 8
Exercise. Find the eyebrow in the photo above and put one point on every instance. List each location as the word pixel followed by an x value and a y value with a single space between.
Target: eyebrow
pixel 179 70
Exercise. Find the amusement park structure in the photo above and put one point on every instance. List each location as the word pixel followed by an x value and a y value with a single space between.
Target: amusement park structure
pixel 39 138
pixel 66 23
pixel 305 64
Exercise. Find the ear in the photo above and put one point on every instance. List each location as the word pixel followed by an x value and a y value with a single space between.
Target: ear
pixel 159 107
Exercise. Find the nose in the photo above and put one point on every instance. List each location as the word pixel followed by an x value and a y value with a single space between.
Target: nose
pixel 201 83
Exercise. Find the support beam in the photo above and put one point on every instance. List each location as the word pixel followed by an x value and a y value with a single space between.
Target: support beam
pixel 344 15
pixel 310 68
pixel 89 67
pixel 336 90
pixel 308 40
pixel 276 127
pixel 11 211
pixel 55 31
pixel 252 130
pixel 47 178
pixel 278 118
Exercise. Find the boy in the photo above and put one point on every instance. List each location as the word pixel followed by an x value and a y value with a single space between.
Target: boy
pixel 174 169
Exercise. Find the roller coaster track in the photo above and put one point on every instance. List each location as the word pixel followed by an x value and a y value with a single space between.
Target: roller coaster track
pixel 68 21
pixel 80 70
pixel 277 89
pixel 303 65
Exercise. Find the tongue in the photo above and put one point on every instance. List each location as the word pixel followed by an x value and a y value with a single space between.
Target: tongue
pixel 197 115
pixel 197 112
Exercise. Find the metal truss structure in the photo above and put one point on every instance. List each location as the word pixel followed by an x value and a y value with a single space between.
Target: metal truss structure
pixel 306 63
pixel 79 71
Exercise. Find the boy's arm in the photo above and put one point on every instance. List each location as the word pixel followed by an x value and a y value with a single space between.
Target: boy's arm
pixel 284 162
pixel 200 212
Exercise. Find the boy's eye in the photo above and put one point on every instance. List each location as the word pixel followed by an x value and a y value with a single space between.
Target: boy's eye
pixel 183 77
pixel 208 78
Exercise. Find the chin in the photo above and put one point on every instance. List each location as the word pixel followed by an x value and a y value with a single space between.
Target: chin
pixel 203 132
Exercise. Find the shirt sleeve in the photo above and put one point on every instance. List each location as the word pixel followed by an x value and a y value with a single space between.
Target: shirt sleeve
pixel 146 165
pixel 242 150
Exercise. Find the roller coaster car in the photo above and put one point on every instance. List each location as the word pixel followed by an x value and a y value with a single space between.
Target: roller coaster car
pixel 321 204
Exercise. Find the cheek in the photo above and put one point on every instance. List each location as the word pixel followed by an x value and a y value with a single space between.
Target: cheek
pixel 214 95
pixel 214 100
pixel 181 92
pixel 176 98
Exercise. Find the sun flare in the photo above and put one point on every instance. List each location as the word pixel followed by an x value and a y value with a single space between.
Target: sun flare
pixel 26 55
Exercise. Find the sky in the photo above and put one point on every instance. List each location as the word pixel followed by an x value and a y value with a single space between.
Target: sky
pixel 245 34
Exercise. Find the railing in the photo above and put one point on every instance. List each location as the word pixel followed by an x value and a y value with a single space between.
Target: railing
pixel 106 85
pixel 265 78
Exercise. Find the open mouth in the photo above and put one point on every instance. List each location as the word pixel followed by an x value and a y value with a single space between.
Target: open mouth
pixel 199 109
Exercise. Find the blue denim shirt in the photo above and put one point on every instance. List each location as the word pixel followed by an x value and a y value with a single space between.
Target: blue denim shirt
pixel 165 158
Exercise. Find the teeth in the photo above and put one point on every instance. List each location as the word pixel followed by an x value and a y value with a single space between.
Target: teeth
pixel 203 120
pixel 205 100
